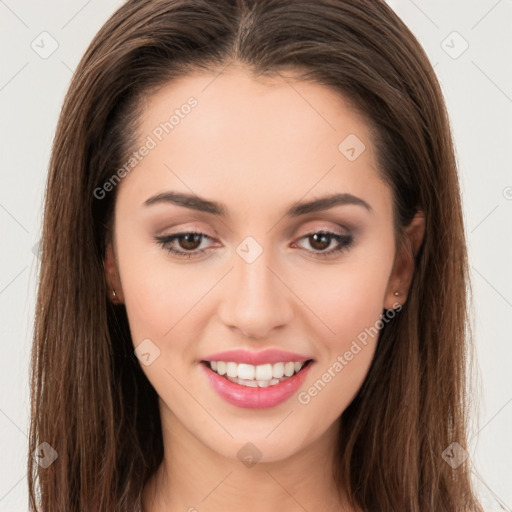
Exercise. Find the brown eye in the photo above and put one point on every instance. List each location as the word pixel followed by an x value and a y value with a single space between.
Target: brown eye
pixel 322 240
pixel 183 244
pixel 189 241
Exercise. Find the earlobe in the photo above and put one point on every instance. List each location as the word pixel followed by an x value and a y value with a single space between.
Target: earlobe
pixel 112 276
pixel 403 269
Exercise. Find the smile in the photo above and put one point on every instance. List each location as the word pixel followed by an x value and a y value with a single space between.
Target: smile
pixel 256 386
pixel 262 375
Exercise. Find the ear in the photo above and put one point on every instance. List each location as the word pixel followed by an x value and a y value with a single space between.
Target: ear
pixel 112 275
pixel 403 268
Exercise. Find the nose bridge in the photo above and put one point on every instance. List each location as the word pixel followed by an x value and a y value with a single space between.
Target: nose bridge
pixel 257 301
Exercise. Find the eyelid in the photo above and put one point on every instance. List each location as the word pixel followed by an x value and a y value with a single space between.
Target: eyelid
pixel 338 230
pixel 184 226
pixel 323 224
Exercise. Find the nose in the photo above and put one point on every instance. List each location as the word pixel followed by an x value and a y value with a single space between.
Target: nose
pixel 256 299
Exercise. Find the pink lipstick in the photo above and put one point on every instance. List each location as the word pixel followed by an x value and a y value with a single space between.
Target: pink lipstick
pixel 256 380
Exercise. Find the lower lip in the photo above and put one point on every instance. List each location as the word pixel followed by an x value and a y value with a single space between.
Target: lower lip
pixel 255 398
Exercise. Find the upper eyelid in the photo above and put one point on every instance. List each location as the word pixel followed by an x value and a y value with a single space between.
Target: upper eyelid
pixel 345 225
pixel 205 234
pixel 345 229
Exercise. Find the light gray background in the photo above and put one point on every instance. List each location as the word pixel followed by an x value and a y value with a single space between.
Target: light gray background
pixel 478 89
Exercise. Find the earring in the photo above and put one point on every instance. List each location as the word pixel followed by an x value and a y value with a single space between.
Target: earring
pixel 397 294
pixel 114 296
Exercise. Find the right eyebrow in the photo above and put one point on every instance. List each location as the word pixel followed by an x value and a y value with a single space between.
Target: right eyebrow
pixel 191 201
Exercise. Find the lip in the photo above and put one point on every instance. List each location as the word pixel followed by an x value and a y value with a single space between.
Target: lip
pixel 255 358
pixel 255 398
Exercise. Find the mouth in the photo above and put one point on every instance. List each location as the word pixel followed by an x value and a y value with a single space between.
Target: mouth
pixel 257 376
pixel 259 386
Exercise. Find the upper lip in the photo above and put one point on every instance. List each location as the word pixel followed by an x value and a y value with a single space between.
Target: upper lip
pixel 269 356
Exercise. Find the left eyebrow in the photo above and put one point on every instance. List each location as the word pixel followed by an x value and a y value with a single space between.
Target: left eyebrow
pixel 324 203
pixel 298 208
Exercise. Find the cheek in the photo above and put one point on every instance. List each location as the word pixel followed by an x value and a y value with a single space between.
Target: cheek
pixel 156 293
pixel 349 301
pixel 346 298
pixel 157 301
pixel 346 358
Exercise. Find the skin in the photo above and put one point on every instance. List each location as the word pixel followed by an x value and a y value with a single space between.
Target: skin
pixel 257 145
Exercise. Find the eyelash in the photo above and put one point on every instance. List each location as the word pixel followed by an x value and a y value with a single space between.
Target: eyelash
pixel 344 241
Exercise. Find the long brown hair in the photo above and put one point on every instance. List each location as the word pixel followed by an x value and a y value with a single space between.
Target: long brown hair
pixel 91 401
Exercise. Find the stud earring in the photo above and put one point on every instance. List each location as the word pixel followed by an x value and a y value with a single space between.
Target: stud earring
pixel 397 294
pixel 114 295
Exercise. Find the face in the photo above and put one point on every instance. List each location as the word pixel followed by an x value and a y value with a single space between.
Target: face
pixel 271 273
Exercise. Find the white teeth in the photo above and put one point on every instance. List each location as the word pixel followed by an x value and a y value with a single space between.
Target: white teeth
pixel 263 372
pixel 289 368
pixel 263 375
pixel 245 371
pixel 278 370
pixel 221 367
pixel 256 383
pixel 232 369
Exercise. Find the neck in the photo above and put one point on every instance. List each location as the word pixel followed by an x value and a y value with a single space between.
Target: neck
pixel 193 477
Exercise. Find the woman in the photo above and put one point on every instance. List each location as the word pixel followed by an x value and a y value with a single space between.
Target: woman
pixel 253 280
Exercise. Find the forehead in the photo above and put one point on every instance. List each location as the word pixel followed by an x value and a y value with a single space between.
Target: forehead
pixel 253 139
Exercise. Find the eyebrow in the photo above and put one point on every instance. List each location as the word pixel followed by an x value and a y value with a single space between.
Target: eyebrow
pixel 298 208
